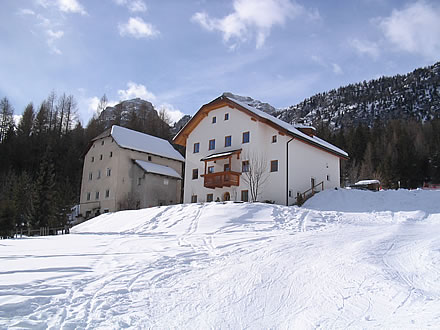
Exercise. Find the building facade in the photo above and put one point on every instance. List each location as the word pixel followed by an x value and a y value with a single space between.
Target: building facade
pixel 125 169
pixel 231 148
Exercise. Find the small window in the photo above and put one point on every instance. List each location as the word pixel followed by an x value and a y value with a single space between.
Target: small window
pixel 195 174
pixel 88 196
pixel 246 136
pixel 97 195
pixel 226 168
pixel 245 195
pixel 209 197
pixel 228 141
pixel 102 142
pixel 212 144
pixel 226 116
pixel 109 172
pixel 274 165
pixel 194 199
pixel 106 210
pixel 274 139
pixel 93 159
pixel 214 120
pixel 99 174
pixel 211 169
pixel 196 147
pixel 165 182
pixel 90 176
pixel 290 193
pixel 107 193
pixel 328 177
pixel 149 158
pixel 111 154
pixel 100 157
pixel 139 181
pixel 245 166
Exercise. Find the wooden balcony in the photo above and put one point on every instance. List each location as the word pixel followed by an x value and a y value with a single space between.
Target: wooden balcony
pixel 222 179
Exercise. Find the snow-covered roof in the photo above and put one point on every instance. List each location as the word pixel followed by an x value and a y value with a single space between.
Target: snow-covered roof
pixel 129 139
pixel 221 154
pixel 157 169
pixel 362 182
pixel 290 128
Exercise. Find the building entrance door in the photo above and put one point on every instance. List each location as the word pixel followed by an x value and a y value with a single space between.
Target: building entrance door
pixel 226 196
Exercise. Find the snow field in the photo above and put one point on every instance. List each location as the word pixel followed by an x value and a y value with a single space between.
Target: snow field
pixel 346 259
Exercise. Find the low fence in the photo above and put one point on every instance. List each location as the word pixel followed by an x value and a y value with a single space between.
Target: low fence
pixel 43 231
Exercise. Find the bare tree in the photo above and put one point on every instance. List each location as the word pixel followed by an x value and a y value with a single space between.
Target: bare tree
pixel 255 173
pixel 103 103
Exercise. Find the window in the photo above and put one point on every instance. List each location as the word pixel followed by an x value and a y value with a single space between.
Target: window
pixel 274 165
pixel 328 177
pixel 90 176
pixel 100 157
pixel 226 116
pixel 274 139
pixel 149 158
pixel 102 142
pixel 245 195
pixel 212 144
pixel 99 174
pixel 214 120
pixel 93 159
pixel 194 199
pixel 195 173
pixel 209 197
pixel 111 153
pixel 88 196
pixel 246 137
pixel 226 168
pixel 211 169
pixel 196 147
pixel 97 195
pixel 165 182
pixel 290 193
pixel 228 140
pixel 106 210
pixel 245 166
pixel 109 171
pixel 107 193
pixel 139 181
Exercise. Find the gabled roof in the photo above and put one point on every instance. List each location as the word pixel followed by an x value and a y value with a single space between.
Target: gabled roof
pixel 157 169
pixel 129 139
pixel 279 124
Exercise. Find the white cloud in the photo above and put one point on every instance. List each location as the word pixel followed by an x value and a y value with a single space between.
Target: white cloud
pixel 52 36
pixel 415 29
pixel 133 5
pixel 173 113
pixel 137 28
pixel 66 6
pixel 250 18
pixel 365 47
pixel 336 68
pixel 26 11
pixel 136 90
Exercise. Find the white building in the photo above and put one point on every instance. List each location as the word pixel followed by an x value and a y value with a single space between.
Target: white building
pixel 125 169
pixel 226 139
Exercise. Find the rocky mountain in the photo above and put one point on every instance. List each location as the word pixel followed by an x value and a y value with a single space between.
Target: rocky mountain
pixel 415 95
pixel 124 111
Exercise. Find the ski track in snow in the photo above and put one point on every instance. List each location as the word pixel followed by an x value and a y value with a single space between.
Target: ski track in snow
pixel 231 265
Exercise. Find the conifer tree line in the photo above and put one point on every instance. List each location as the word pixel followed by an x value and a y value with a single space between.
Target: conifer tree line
pixel 398 153
pixel 41 160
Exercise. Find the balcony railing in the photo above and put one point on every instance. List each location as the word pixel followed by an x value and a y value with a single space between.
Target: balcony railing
pixel 222 179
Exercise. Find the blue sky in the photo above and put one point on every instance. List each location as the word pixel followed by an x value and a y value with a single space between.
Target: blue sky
pixel 181 54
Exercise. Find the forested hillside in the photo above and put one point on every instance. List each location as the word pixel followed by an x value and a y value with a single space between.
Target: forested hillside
pixel 41 158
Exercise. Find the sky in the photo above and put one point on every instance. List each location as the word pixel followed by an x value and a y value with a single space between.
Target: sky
pixel 181 54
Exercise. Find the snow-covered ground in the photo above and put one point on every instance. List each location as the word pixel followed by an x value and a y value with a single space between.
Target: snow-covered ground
pixel 347 258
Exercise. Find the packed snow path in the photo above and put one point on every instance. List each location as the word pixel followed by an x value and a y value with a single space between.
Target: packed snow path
pixel 346 259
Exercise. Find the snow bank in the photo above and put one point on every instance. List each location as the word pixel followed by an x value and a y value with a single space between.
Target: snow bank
pixel 351 200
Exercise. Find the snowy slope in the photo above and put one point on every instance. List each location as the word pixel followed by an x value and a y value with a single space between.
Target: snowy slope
pixel 346 259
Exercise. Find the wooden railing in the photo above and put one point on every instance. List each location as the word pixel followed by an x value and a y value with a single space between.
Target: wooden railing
pixel 310 192
pixel 222 179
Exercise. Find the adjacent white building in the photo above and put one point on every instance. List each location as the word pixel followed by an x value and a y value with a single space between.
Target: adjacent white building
pixel 125 169
pixel 228 142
